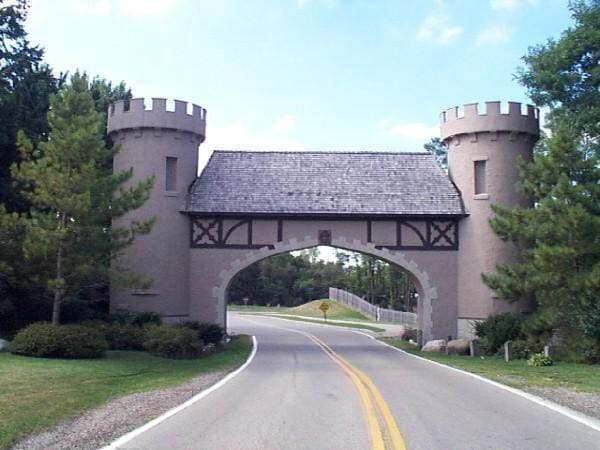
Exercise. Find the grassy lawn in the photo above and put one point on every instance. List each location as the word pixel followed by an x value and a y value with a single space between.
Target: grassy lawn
pixel 581 377
pixel 329 322
pixel 256 308
pixel 336 311
pixel 310 309
pixel 38 393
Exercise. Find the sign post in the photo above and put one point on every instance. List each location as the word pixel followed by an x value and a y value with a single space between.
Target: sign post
pixel 246 300
pixel 324 306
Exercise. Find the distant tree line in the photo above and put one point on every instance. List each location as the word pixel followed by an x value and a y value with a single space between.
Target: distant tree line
pixel 290 280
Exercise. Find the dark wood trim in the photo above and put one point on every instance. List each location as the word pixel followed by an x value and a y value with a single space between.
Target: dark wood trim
pixel 440 234
pixel 235 227
pixel 323 216
pixel 428 232
pixel 220 230
pixel 417 247
pixel 280 230
pixel 417 231
pixel 234 246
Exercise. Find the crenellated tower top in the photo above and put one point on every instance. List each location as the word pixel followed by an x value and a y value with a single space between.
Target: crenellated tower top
pixel 133 114
pixel 514 120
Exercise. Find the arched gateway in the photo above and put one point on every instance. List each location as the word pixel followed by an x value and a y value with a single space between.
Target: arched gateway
pixel 247 206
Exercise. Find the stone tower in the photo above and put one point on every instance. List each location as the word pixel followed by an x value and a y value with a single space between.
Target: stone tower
pixel 483 147
pixel 162 143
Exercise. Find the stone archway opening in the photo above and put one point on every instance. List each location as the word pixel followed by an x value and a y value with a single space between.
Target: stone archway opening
pixel 419 278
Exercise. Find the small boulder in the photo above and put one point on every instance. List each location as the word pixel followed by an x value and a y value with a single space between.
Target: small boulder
pixel 3 345
pixel 438 345
pixel 406 334
pixel 458 347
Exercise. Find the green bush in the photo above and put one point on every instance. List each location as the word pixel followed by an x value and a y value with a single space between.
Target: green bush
pixel 170 341
pixel 539 360
pixel 496 330
pixel 210 333
pixel 521 349
pixel 135 318
pixel 58 341
pixel 125 337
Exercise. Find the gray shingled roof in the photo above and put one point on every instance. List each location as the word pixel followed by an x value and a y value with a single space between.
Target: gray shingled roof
pixel 323 183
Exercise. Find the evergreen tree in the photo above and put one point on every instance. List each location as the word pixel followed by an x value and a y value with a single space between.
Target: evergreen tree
pixel 74 195
pixel 26 84
pixel 560 233
pixel 438 150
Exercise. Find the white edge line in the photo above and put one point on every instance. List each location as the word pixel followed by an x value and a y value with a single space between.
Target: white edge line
pixel 570 413
pixel 132 434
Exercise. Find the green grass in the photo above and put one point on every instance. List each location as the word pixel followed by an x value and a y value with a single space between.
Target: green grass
pixel 517 373
pixel 38 393
pixel 359 326
pixel 256 308
pixel 336 311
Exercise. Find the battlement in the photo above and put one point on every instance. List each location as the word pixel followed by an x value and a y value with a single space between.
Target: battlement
pixel 132 114
pixel 454 122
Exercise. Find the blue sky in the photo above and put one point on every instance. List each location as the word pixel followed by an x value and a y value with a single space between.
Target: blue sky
pixel 304 74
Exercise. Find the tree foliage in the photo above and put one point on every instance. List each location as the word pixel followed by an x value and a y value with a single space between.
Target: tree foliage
pixel 560 233
pixel 74 195
pixel 438 150
pixel 26 84
pixel 290 280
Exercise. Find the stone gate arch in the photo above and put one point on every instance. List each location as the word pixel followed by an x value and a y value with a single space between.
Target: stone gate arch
pixel 427 293
pixel 248 205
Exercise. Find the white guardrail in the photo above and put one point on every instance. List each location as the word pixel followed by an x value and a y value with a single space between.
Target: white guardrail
pixel 372 311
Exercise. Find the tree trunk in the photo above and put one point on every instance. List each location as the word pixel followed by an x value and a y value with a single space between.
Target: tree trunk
pixel 58 291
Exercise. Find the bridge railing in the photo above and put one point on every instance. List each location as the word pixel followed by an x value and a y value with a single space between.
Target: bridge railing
pixel 369 310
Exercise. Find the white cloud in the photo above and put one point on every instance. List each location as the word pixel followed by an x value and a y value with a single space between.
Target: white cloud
pixel 284 124
pixel 238 136
pixel 436 27
pixel 509 5
pixel 496 34
pixel 411 131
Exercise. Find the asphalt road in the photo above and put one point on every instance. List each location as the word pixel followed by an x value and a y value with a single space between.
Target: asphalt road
pixel 315 387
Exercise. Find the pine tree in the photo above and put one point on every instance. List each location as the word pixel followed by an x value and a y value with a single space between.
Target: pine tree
pixel 560 233
pixel 74 195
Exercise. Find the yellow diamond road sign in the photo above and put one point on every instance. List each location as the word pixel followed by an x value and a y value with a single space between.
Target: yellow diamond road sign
pixel 324 306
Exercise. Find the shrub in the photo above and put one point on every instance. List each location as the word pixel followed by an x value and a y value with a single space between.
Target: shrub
pixel 125 337
pixel 521 349
pixel 170 341
pixel 539 360
pixel 59 341
pixel 135 318
pixel 210 333
pixel 494 331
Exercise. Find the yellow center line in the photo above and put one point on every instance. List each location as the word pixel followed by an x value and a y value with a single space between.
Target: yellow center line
pixel 369 413
pixel 363 383
pixel 373 405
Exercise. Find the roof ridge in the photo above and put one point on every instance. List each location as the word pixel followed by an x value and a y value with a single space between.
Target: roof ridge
pixel 324 152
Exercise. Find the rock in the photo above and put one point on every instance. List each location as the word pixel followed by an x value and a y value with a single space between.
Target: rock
pixel 439 345
pixel 458 347
pixel 406 334
pixel 3 345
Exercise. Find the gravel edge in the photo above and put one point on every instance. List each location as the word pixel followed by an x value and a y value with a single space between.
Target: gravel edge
pixel 587 403
pixel 101 426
